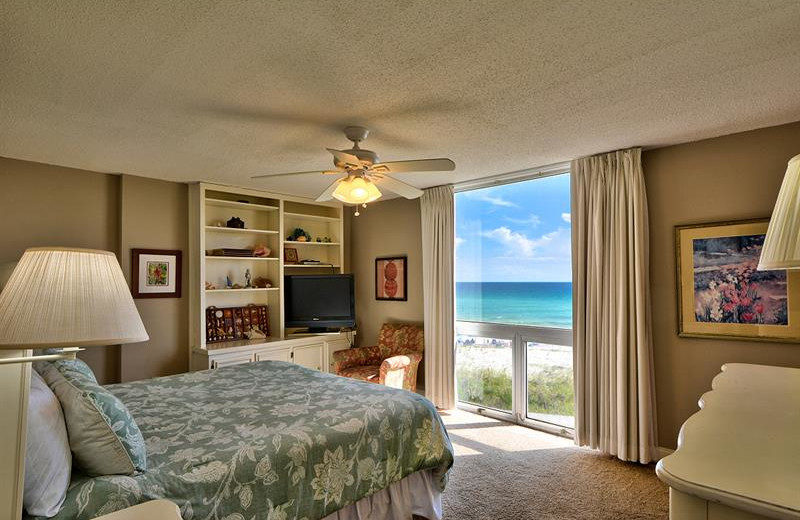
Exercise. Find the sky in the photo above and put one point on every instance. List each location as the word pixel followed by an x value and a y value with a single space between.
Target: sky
pixel 518 232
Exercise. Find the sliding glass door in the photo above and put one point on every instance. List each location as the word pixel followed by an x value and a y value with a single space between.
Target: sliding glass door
pixel 514 302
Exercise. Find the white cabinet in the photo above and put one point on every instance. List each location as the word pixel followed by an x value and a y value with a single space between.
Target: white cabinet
pixel 232 359
pixel 312 351
pixel 310 356
pixel 737 457
pixel 280 354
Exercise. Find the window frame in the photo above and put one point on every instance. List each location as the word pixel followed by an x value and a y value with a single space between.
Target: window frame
pixel 519 335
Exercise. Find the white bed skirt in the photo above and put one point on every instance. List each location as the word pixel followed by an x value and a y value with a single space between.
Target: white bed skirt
pixel 416 494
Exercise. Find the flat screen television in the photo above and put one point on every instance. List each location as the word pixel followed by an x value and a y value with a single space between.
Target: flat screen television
pixel 319 302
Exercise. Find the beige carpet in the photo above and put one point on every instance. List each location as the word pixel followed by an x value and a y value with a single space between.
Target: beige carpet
pixel 504 471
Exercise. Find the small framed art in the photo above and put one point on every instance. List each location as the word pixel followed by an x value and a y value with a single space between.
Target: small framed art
pixel 155 273
pixel 391 278
pixel 290 255
pixel 721 294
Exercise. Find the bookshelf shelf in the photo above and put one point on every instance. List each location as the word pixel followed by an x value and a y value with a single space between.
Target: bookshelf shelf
pixel 303 216
pixel 251 289
pixel 240 205
pixel 237 231
pixel 296 243
pixel 249 258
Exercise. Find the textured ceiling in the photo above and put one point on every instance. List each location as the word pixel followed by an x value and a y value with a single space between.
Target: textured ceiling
pixel 219 91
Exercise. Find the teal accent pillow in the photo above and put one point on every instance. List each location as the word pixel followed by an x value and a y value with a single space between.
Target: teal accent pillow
pixel 103 435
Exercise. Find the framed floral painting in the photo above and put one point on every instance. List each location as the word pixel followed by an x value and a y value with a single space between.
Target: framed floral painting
pixel 721 294
pixel 391 278
pixel 155 273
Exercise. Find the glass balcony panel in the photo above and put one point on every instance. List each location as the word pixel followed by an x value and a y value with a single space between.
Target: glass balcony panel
pixel 550 388
pixel 483 371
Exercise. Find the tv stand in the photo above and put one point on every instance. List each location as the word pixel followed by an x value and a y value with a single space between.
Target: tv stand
pixel 317 331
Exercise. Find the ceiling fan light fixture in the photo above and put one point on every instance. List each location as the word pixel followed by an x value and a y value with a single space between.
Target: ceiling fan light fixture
pixel 357 190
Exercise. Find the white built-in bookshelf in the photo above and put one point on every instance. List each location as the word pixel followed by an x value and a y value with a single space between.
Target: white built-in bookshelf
pixel 270 220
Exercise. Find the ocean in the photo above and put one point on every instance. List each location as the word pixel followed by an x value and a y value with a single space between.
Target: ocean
pixel 519 303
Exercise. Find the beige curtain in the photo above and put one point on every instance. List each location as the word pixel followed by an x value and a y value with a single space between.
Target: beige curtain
pixel 438 237
pixel 613 354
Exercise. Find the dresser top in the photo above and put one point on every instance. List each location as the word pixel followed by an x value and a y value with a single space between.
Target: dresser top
pixel 743 447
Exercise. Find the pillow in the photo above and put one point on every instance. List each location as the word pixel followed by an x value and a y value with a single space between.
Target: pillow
pixel 103 436
pixel 48 462
pixel 75 364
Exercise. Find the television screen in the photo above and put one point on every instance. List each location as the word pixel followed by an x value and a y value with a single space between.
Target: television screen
pixel 319 301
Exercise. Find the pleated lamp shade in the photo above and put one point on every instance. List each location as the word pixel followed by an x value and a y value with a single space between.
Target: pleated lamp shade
pixel 63 297
pixel 782 244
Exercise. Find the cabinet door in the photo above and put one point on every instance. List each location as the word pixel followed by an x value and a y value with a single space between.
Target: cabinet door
pixel 281 354
pixel 334 346
pixel 310 356
pixel 232 359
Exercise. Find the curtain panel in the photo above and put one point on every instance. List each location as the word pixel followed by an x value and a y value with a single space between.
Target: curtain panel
pixel 438 241
pixel 615 409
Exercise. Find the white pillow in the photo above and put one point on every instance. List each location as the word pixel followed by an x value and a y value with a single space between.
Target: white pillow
pixel 48 461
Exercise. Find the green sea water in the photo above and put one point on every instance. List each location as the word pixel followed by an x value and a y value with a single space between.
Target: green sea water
pixel 519 303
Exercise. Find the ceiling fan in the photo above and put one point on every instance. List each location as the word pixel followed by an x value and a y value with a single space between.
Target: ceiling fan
pixel 362 172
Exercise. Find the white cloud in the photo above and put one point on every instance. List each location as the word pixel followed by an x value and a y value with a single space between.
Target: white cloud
pixel 520 244
pixel 532 220
pixel 459 241
pixel 567 217
pixel 494 201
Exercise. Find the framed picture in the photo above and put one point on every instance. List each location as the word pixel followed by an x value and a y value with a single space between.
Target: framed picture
pixel 391 282
pixel 290 255
pixel 720 292
pixel 155 273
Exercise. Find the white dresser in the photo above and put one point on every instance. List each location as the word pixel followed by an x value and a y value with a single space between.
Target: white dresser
pixel 738 458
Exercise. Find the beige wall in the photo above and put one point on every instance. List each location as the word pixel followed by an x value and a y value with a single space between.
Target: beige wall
pixel 44 205
pixel 727 178
pixel 154 215
pixel 386 228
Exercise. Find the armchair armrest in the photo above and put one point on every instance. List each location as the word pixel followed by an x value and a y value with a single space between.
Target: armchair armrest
pixel 400 371
pixel 353 357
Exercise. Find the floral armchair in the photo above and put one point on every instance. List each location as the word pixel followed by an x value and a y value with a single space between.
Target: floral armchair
pixel 392 362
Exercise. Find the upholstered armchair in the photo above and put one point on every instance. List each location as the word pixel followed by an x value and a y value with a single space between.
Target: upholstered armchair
pixel 392 362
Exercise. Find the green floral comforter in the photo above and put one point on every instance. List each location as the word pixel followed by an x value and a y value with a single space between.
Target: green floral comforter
pixel 267 440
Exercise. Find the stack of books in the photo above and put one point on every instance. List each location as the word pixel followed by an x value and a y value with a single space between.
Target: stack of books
pixel 229 251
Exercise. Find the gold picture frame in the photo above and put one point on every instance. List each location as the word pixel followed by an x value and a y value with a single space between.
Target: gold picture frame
pixel 722 295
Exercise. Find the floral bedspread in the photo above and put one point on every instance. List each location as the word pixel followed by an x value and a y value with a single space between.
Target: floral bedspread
pixel 267 440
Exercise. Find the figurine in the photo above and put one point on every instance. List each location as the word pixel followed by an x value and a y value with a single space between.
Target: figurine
pixel 263 283
pixel 228 282
pixel 210 286
pixel 247 278
pixel 236 222
pixel 254 333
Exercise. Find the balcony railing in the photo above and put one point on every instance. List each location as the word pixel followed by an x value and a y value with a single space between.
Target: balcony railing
pixel 520 373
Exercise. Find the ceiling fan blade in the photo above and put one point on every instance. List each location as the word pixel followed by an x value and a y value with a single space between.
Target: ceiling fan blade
pixel 328 172
pixel 421 165
pixel 346 158
pixel 401 188
pixel 328 193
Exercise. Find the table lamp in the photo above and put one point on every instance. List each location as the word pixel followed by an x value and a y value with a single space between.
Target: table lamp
pixel 62 298
pixel 781 248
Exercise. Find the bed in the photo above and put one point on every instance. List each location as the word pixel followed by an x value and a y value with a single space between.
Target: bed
pixel 273 440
